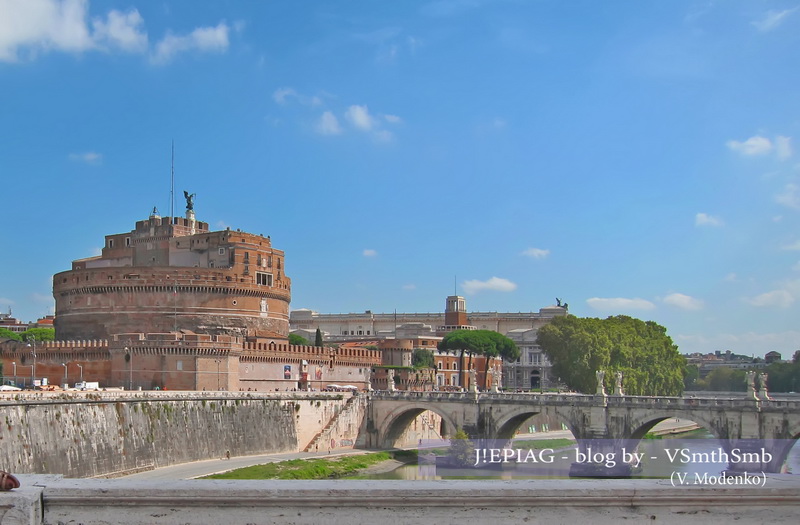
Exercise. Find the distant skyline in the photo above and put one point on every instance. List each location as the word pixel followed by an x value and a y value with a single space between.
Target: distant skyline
pixel 634 158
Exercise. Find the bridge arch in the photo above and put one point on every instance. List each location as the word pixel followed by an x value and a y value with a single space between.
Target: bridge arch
pixel 507 426
pixel 640 426
pixel 400 418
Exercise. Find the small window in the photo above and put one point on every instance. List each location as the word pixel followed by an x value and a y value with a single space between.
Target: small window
pixel 111 243
pixel 127 241
pixel 222 251
pixel 179 365
pixel 264 279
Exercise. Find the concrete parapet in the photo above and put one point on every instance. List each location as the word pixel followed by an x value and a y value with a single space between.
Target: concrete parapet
pixel 344 502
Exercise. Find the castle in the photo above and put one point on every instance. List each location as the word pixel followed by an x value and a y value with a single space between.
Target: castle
pixel 175 306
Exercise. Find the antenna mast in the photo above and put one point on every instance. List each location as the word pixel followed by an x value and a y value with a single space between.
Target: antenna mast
pixel 172 185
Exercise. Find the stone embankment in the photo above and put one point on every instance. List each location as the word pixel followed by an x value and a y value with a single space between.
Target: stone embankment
pixel 116 433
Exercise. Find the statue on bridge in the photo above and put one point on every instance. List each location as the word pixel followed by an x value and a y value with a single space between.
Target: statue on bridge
pixel 762 387
pixel 390 381
pixel 750 379
pixel 473 380
pixel 601 389
pixel 497 379
pixel 618 384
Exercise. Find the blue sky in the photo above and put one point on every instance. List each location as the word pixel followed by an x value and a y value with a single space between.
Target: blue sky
pixel 633 158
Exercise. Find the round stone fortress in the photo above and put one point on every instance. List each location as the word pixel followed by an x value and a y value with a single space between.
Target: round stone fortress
pixel 173 274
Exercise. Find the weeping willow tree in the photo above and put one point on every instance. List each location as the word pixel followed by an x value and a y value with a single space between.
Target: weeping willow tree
pixel 648 359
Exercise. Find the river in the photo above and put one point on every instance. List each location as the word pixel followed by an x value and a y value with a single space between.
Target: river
pixel 689 453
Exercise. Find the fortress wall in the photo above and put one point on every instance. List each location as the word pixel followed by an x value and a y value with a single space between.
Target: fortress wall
pixel 115 434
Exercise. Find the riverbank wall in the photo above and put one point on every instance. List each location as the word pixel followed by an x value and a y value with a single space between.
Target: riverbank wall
pixel 113 434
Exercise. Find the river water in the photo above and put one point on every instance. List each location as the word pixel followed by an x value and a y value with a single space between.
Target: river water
pixel 688 454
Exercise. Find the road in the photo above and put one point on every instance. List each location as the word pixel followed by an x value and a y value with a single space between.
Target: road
pixel 212 466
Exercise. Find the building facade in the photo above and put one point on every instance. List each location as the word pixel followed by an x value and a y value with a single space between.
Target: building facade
pixel 532 371
pixel 370 324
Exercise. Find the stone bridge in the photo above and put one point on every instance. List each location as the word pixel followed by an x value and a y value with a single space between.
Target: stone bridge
pixel 601 423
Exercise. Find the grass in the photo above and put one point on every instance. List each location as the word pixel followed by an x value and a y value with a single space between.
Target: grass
pixel 307 468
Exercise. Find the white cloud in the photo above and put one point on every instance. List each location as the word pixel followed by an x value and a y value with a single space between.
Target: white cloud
pixel 772 19
pixel 619 304
pixel 393 119
pixel 409 287
pixel 121 30
pixel 89 157
pixel 536 253
pixel 795 246
pixel 370 253
pixel 703 219
pixel 43 25
pixel 281 94
pixel 36 26
pixel 684 302
pixel 731 277
pixel 796 267
pixel 359 117
pixel 783 147
pixel 328 124
pixel 496 284
pixel 756 145
pixel 383 135
pixel 777 298
pixel 205 39
pixel 790 197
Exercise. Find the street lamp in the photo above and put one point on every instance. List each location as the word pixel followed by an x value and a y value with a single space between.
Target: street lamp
pixel 81 367
pixel 33 368
pixel 65 372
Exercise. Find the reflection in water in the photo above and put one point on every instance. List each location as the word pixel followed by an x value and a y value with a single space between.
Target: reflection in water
pixel 690 453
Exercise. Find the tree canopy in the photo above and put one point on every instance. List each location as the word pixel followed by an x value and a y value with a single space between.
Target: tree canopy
pixel 41 334
pixel 486 343
pixel 648 359
pixel 318 338
pixel 5 333
pixel 297 340
pixel 422 358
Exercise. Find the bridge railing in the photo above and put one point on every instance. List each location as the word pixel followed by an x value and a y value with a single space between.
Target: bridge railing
pixel 662 402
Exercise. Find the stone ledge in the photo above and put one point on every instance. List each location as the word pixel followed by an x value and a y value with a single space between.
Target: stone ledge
pixel 348 502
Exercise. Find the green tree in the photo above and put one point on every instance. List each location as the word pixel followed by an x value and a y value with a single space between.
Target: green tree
pixel 422 358
pixel 690 377
pixel 498 346
pixel 642 351
pixel 783 377
pixel 724 379
pixel 462 450
pixel 296 340
pixel 5 333
pixel 41 334
pixel 486 343
pixel 318 338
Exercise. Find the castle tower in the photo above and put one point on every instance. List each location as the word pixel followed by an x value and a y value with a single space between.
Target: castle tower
pixel 172 273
